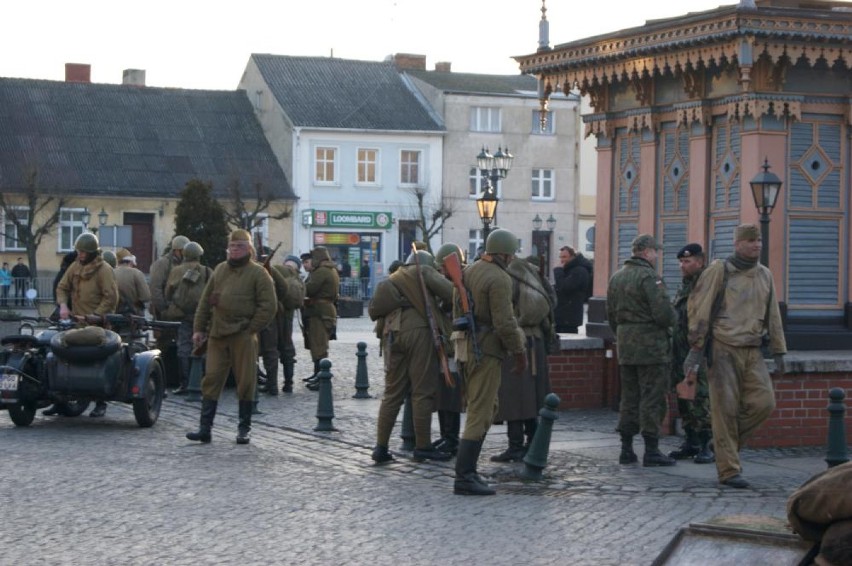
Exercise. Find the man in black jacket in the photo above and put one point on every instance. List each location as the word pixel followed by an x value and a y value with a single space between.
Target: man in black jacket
pixel 573 280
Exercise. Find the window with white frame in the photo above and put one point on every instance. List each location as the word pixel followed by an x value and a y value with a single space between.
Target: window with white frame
pixel 409 167
pixel 477 183
pixel 70 226
pixel 542 184
pixel 260 231
pixel 325 170
pixel 548 125
pixel 367 166
pixel 484 119
pixel 10 228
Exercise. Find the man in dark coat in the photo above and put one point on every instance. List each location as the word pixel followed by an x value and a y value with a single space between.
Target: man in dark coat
pixel 572 283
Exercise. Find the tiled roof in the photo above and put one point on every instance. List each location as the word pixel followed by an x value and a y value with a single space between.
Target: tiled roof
pixel 321 92
pixel 101 139
pixel 470 83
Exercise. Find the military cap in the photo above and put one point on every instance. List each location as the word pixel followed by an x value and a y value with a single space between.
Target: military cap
pixel 121 254
pixel 294 259
pixel 690 250
pixel 644 242
pixel 747 232
pixel 239 235
pixel 178 242
pixel 305 256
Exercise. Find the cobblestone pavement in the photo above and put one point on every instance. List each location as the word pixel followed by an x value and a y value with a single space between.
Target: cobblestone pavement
pixel 86 491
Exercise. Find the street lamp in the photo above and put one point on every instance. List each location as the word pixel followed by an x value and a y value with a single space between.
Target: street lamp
pixel 103 217
pixel 551 223
pixel 493 168
pixel 765 188
pixel 541 241
pixel 85 216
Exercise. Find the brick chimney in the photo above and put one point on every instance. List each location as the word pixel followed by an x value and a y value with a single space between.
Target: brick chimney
pixel 411 61
pixel 133 77
pixel 78 73
pixel 443 67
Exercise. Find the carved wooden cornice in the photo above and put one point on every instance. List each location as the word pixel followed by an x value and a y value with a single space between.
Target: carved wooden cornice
pixel 757 106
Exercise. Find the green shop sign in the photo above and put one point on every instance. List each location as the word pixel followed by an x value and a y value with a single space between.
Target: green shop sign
pixel 343 219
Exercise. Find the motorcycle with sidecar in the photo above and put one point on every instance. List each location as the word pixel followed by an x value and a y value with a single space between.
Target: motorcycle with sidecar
pixel 43 368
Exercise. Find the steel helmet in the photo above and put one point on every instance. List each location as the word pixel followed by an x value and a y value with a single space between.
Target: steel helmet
pixel 423 258
pixel 192 251
pixel 446 250
pixel 179 242
pixel 109 257
pixel 501 241
pixel 87 242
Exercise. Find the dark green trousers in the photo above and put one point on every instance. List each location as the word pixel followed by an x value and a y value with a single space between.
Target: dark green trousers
pixel 643 399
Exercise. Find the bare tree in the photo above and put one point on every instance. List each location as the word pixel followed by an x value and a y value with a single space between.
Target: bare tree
pixel 250 213
pixel 430 215
pixel 33 212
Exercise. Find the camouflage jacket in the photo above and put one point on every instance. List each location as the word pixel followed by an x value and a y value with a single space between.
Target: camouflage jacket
pixel 680 341
pixel 640 314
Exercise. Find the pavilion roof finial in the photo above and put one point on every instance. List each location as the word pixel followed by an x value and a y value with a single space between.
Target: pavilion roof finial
pixel 543 29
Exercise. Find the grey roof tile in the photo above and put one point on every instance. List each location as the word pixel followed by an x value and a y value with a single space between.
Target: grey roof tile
pixel 98 139
pixel 470 83
pixel 322 92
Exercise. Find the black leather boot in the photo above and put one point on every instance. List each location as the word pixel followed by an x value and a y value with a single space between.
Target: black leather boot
pixel 313 376
pixel 653 457
pixel 288 378
pixel 515 452
pixel 627 456
pixel 312 382
pixel 99 410
pixel 467 480
pixel 689 448
pixel 381 455
pixel 244 426
pixel 271 385
pixel 208 413
pixel 450 427
pixel 705 456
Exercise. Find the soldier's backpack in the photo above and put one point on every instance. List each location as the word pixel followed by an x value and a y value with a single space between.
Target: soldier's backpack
pixel 531 300
pixel 188 291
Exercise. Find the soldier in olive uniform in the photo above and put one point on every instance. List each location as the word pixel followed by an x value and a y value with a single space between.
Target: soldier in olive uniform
pixel 522 395
pixel 696 412
pixel 133 291
pixel 741 393
pixel 411 359
pixel 642 318
pixel 183 292
pixel 319 315
pixel 238 301
pixel 269 336
pixel 89 287
pixel 159 275
pixel 498 334
pixel 287 307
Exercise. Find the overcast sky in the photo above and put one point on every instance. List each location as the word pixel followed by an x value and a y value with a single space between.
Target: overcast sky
pixel 206 44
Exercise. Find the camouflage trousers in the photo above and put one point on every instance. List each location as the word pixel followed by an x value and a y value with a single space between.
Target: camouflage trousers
pixel 696 413
pixel 643 399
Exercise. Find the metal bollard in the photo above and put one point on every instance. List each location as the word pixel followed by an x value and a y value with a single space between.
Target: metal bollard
pixel 325 403
pixel 837 452
pixel 406 432
pixel 196 372
pixel 362 382
pixel 536 458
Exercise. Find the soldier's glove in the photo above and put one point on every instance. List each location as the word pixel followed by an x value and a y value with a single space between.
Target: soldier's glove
pixel 780 365
pixel 692 362
pixel 520 363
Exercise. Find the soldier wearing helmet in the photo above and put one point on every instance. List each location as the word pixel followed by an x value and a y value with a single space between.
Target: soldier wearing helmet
pixel 498 334
pixel 160 270
pixel 319 314
pixel 133 291
pixel 411 363
pixel 89 286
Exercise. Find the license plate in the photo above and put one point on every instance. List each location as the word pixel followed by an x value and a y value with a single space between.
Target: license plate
pixel 9 382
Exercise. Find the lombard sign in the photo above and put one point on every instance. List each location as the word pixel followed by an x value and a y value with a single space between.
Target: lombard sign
pixel 351 219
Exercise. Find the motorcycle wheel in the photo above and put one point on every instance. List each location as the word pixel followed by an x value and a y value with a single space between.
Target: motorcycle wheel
pixel 73 408
pixel 147 409
pixel 22 414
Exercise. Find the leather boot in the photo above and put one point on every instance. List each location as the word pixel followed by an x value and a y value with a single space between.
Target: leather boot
pixel 381 455
pixel 288 378
pixel 312 383
pixel 450 427
pixel 244 426
pixel 208 413
pixel 653 457
pixel 689 448
pixel 705 456
pixel 271 386
pixel 185 366
pixel 530 426
pixel 467 480
pixel 627 456
pixel 515 451
pixel 99 410
pixel 313 376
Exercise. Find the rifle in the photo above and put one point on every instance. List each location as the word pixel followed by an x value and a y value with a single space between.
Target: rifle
pixel 452 265
pixel 433 326
pixel 268 260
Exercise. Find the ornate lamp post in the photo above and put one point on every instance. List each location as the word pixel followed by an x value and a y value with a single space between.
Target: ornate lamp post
pixel 765 187
pixel 541 241
pixel 85 216
pixel 493 168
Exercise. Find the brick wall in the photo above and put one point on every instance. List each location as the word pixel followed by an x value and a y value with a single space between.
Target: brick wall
pixel 588 379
